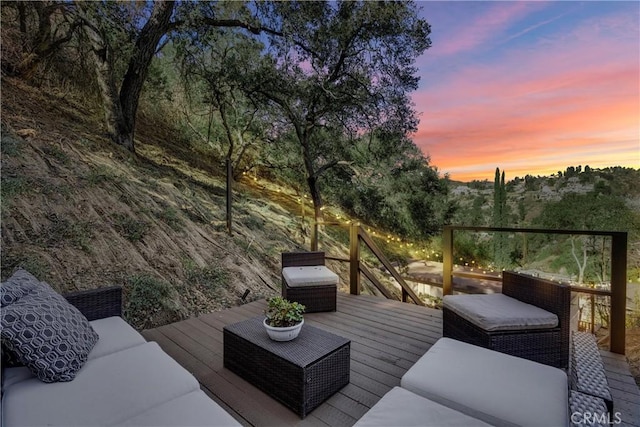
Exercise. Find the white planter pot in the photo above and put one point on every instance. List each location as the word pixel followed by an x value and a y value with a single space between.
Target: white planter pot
pixel 283 334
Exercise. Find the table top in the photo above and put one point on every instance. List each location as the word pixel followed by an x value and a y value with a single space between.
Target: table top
pixel 312 343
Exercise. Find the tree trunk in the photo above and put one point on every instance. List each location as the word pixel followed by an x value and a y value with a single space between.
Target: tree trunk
pixel 315 197
pixel 120 108
pixel 581 265
pixel 134 78
pixel 114 120
pixel 312 176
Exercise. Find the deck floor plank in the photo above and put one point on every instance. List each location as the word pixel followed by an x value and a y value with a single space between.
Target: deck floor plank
pixel 387 338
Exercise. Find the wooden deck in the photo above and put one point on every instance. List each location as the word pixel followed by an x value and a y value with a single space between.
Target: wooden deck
pixel 387 337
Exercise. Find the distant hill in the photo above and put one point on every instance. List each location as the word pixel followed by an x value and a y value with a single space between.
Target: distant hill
pixel 532 191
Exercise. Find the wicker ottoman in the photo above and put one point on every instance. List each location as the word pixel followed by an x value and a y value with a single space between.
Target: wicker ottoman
pixel 301 374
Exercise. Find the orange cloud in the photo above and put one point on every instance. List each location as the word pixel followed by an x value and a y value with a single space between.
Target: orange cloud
pixel 573 100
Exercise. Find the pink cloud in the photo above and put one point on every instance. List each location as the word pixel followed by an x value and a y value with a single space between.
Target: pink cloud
pixel 573 100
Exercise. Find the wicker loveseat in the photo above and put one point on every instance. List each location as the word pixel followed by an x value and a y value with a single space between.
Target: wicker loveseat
pixel 124 381
pixel 548 344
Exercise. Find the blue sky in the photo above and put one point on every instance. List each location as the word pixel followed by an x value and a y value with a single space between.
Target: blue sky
pixel 530 87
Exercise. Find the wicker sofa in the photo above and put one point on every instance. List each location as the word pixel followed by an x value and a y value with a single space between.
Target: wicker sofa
pixel 548 344
pixel 125 381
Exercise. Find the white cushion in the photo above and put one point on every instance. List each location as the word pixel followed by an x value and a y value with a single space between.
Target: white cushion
pixel 193 409
pixel 400 407
pixel 498 312
pixel 317 275
pixel 492 386
pixel 14 375
pixel 107 390
pixel 115 335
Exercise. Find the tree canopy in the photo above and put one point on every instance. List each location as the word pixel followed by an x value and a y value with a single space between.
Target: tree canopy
pixel 300 88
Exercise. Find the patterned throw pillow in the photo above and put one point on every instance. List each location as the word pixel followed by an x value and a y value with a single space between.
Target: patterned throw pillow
pixel 48 334
pixel 20 284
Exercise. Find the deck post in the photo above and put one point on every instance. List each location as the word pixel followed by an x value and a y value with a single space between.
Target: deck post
pixel 229 167
pixel 618 291
pixel 354 259
pixel 447 260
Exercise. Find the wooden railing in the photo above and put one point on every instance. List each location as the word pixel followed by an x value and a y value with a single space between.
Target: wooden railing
pixel 358 235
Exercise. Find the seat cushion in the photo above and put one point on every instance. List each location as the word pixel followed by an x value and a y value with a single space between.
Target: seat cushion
pixel 115 335
pixel 192 409
pixel 107 390
pixel 48 334
pixel 494 387
pixel 400 407
pixel 317 275
pixel 498 312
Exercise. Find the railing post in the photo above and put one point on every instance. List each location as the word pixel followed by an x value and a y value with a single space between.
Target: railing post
pixel 314 236
pixel 354 260
pixel 618 291
pixel 229 193
pixel 447 260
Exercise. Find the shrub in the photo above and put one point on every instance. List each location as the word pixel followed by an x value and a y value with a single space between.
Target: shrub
pixel 152 302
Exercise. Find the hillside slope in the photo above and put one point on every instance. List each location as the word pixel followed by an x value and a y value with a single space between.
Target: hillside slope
pixel 80 213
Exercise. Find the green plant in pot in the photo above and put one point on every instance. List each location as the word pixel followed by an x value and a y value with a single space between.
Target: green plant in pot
pixel 284 319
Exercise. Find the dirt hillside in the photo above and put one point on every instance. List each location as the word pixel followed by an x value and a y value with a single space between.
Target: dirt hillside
pixel 80 213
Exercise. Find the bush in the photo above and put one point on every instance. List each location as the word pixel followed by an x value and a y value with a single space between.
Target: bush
pixel 152 302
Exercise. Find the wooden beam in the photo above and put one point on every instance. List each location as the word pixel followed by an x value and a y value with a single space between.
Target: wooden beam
pixel 377 283
pixel 378 253
pixel 618 291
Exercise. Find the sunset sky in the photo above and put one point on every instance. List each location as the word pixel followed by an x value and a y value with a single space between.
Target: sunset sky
pixel 529 87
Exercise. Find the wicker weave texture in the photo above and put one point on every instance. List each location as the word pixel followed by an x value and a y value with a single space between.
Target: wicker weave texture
pixel 301 259
pixel 549 346
pixel 314 298
pixel 98 303
pixel 301 373
pixel 587 370
pixel 593 408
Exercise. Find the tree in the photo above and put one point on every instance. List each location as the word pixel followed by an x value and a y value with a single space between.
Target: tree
pixel 213 65
pixel 591 211
pixel 142 27
pixel 120 104
pixel 500 219
pixel 44 27
pixel 390 185
pixel 337 69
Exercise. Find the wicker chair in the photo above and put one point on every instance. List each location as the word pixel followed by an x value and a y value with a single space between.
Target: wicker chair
pixel 315 298
pixel 549 346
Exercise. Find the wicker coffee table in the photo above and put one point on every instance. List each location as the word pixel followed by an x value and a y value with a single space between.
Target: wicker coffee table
pixel 301 373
